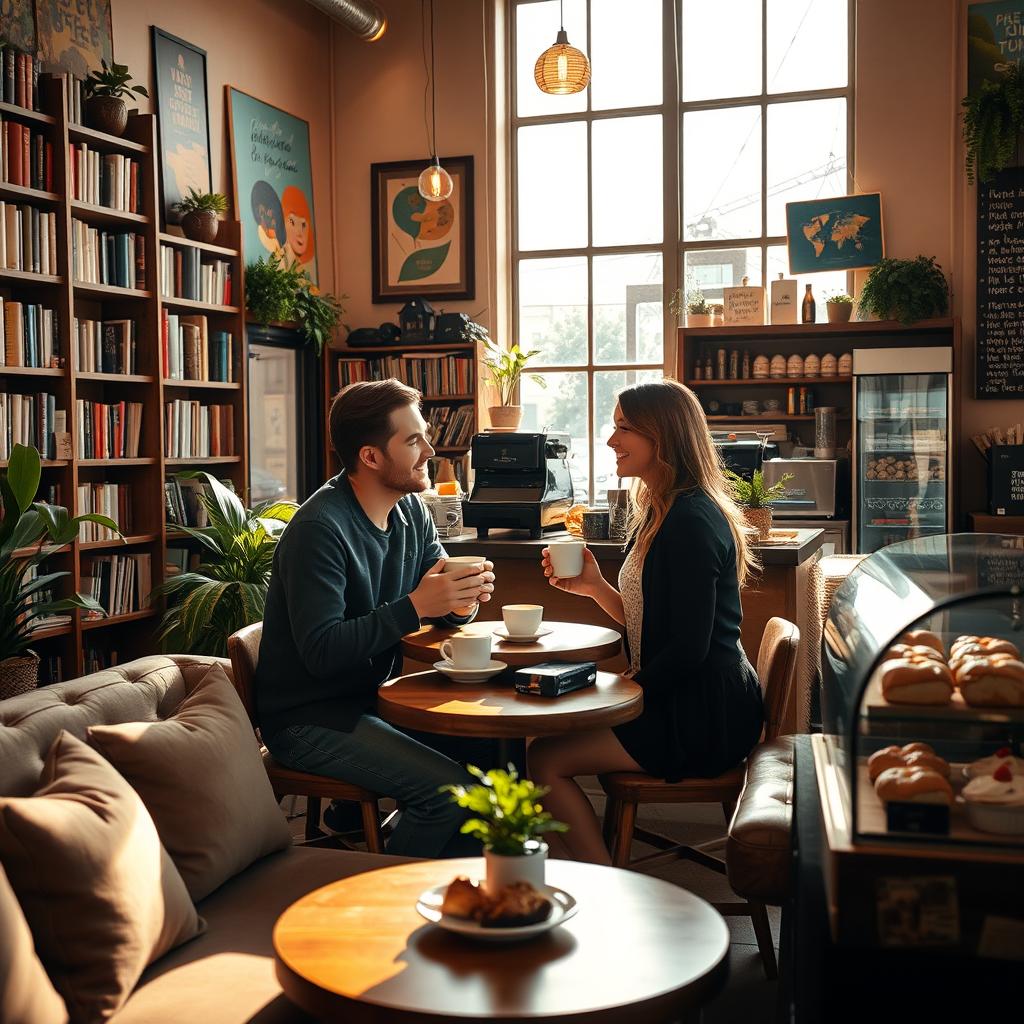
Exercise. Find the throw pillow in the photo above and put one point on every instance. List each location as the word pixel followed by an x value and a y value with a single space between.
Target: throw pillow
pixel 201 777
pixel 99 892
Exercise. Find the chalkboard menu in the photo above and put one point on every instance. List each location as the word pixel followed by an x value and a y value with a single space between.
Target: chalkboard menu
pixel 1000 335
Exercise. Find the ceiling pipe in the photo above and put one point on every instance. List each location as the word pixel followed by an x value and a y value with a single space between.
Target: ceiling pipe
pixel 361 17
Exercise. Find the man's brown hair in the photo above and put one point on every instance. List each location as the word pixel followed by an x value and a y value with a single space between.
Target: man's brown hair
pixel 361 415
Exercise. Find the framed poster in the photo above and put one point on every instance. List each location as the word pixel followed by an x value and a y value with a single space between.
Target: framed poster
pixel 183 119
pixel 272 177
pixel 994 32
pixel 74 35
pixel 421 248
pixel 842 233
pixel 18 24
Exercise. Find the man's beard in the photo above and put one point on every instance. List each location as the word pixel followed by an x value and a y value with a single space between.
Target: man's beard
pixel 404 481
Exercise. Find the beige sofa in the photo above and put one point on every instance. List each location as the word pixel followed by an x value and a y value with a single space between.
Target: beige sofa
pixel 225 975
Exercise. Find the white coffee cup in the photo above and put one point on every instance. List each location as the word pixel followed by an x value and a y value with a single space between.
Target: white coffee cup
pixel 566 557
pixel 467 651
pixel 522 619
pixel 463 562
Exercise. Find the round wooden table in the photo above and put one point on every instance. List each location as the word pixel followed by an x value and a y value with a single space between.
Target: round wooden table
pixel 639 949
pixel 567 641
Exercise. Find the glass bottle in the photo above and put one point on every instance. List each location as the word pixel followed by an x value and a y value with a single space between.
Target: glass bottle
pixel 698 370
pixel 721 364
pixel 709 372
pixel 809 309
pixel 734 364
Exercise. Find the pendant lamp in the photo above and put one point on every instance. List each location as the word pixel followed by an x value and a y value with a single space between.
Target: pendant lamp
pixel 562 69
pixel 435 183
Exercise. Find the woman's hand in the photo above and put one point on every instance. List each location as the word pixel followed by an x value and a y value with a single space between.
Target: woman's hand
pixel 586 584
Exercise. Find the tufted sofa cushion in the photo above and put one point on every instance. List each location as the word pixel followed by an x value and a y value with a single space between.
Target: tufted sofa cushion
pixel 146 690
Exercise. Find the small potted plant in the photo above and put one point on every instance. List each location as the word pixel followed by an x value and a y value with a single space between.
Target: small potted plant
pixel 510 821
pixel 699 312
pixel 105 91
pixel 755 498
pixel 839 308
pixel 993 127
pixel 905 290
pixel 505 367
pixel 29 532
pixel 199 212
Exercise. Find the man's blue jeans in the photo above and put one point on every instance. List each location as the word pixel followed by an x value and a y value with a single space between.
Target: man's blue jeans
pixel 391 763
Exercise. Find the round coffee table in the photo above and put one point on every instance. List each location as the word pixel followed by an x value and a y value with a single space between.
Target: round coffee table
pixel 639 949
pixel 567 641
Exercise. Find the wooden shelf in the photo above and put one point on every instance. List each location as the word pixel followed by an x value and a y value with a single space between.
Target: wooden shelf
pixel 769 418
pixel 105 214
pixel 12 110
pixel 202 307
pixel 401 349
pixel 796 331
pixel 203 460
pixel 132 539
pixel 767 382
pixel 47 632
pixel 19 193
pixel 117 620
pixel 116 378
pixel 110 291
pixel 205 385
pixel 220 250
pixel 25 552
pixel 23 277
pixel 97 139
pixel 31 371
pixel 89 463
pixel 45 463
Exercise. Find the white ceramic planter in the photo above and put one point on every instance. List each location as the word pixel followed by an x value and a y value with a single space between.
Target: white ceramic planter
pixel 502 870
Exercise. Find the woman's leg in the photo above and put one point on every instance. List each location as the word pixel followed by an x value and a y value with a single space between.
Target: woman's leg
pixel 554 762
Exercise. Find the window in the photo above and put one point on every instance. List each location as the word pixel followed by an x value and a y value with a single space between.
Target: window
pixel 757 114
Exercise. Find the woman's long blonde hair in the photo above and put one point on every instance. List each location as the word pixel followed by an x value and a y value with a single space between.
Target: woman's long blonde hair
pixel 669 415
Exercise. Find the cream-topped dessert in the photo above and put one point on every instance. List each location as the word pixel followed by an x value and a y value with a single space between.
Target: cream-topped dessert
pixel 987 765
pixel 1000 787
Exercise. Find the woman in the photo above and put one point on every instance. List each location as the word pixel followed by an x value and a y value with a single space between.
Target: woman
pixel 679 599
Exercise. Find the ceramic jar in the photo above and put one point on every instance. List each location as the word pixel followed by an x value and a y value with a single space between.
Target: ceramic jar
pixel 795 366
pixel 829 365
pixel 778 366
pixel 761 367
pixel 812 365
pixel 845 364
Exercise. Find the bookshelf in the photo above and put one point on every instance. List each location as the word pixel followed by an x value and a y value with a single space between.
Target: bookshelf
pixel 129 321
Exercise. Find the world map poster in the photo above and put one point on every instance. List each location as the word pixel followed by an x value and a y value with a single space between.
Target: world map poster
pixel 841 233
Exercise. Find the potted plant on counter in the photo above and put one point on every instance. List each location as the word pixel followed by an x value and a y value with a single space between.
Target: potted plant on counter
pixel 755 498
pixel 30 531
pixel 105 91
pixel 510 821
pixel 505 367
pixel 199 212
pixel 839 308
pixel 905 290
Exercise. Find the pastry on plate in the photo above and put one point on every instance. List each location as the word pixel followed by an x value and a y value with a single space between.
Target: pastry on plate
pixel 913 755
pixel 462 898
pixel 924 637
pixel 995 802
pixel 965 647
pixel 913 785
pixel 916 680
pixel 987 765
pixel 992 681
pixel 515 906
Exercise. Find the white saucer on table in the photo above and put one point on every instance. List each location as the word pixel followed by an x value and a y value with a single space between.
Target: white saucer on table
pixel 470 675
pixel 520 638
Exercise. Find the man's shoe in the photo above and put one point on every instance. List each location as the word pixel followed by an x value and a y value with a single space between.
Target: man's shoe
pixel 342 818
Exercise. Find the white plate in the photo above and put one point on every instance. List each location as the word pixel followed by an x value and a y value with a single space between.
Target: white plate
pixel 428 906
pixel 470 675
pixel 502 632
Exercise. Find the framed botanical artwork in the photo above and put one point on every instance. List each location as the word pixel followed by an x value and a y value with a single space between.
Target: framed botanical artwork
pixel 420 248
pixel 272 177
pixel 183 119
pixel 841 233
pixel 74 35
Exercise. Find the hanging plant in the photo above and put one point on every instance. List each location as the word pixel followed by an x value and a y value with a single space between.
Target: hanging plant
pixel 994 124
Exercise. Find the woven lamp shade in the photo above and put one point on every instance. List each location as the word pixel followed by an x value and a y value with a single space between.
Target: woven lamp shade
pixel 562 69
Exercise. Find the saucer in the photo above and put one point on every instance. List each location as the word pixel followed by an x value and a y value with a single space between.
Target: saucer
pixel 428 906
pixel 501 632
pixel 470 675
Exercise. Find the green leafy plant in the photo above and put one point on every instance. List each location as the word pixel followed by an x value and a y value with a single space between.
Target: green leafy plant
pixel 196 201
pixel 30 531
pixel 112 81
pixel 993 124
pixel 754 493
pixel 905 290
pixel 317 313
pixel 506 366
pixel 507 810
pixel 842 299
pixel 228 589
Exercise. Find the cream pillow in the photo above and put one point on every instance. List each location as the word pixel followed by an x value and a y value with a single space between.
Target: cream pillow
pixel 99 892
pixel 201 777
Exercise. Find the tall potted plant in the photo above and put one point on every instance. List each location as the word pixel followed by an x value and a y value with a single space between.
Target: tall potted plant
pixel 756 498
pixel 505 368
pixel 29 532
pixel 509 820
pixel 105 91
pixel 199 212
pixel 228 589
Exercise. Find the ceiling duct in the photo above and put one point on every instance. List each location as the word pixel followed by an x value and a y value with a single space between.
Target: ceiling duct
pixel 361 17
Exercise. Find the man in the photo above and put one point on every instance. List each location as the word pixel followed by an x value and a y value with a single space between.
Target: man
pixel 357 568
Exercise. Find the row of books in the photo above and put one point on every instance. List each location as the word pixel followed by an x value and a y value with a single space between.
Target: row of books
pixel 183 502
pixel 44 594
pixel 105 179
pixel 120 583
pixel 105 346
pixel 111 500
pixel 30 335
pixel 443 374
pixel 107 257
pixel 107 430
pixel 20 77
pixel 450 426
pixel 184 274
pixel 74 96
pixel 28 239
pixel 51 668
pixel 194 430
pixel 189 350
pixel 30 420
pixel 26 156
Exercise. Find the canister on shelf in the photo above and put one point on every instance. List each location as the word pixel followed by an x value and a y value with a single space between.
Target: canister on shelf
pixel 721 364
pixel 734 364
pixel 709 373
pixel 745 370
pixel 698 370
pixel 791 401
pixel 803 401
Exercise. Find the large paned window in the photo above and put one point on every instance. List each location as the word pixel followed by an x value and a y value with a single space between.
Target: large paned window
pixel 702 120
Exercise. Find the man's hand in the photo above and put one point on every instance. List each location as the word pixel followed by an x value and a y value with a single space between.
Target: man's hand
pixel 485 596
pixel 440 593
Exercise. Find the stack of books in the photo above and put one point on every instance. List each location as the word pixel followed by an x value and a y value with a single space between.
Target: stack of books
pixel 19 83
pixel 107 431
pixel 28 239
pixel 111 500
pixel 450 426
pixel 105 346
pixel 104 179
pixel 440 374
pixel 30 420
pixel 74 93
pixel 191 351
pixel 120 583
pixel 184 274
pixel 26 157
pixel 183 502
pixel 196 431
pixel 107 257
pixel 47 593
pixel 30 336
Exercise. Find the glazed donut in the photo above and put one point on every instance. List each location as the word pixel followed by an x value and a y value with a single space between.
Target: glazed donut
pixel 905 650
pixel 913 785
pixel 916 680
pixel 924 637
pixel 993 681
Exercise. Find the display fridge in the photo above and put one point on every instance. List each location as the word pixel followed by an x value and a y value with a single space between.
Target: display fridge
pixel 901 435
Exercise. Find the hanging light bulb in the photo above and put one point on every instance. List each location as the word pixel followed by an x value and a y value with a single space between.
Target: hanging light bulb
pixel 435 183
pixel 562 69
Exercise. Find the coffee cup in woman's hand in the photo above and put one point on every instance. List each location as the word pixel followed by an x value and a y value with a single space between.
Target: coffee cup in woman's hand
pixel 582 582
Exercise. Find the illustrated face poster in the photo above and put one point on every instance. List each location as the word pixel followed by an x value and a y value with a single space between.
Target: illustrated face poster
pixel 74 35
pixel 273 182
pixel 842 233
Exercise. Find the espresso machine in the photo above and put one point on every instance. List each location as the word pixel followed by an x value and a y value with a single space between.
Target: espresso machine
pixel 521 481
